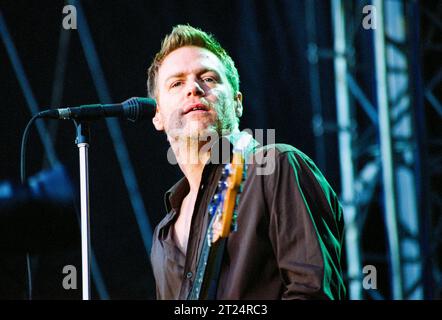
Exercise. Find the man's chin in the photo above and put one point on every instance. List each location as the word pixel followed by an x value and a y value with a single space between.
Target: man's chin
pixel 200 133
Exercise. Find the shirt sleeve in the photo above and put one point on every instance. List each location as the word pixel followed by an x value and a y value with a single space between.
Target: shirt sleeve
pixel 305 228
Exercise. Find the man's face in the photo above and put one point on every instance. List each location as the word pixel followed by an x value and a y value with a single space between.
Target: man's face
pixel 194 97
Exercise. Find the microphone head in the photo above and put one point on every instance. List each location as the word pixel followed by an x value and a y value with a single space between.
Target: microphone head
pixel 137 108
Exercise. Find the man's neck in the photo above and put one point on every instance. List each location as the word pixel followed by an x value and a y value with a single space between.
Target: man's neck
pixel 192 155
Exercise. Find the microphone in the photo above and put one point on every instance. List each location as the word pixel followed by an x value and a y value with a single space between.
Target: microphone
pixel 133 109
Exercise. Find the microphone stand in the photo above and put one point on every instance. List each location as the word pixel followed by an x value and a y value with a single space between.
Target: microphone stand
pixel 82 142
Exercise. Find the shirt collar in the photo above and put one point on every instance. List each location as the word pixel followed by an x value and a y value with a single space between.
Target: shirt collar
pixel 176 194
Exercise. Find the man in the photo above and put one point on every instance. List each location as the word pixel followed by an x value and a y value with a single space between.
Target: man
pixel 289 223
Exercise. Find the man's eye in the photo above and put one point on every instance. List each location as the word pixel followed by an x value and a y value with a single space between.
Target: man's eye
pixel 176 84
pixel 209 79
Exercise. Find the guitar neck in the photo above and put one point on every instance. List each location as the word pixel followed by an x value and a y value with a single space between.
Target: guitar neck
pixel 206 276
pixel 222 206
pixel 195 292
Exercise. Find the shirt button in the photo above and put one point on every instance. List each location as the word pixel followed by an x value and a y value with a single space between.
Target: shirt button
pixel 189 275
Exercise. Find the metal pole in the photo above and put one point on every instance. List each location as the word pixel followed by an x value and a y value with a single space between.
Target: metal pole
pixel 387 153
pixel 83 148
pixel 85 231
pixel 403 133
pixel 348 195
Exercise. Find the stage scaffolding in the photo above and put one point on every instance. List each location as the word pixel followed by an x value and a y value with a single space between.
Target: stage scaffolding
pixel 380 133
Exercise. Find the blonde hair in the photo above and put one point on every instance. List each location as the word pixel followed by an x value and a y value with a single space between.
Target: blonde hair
pixel 186 35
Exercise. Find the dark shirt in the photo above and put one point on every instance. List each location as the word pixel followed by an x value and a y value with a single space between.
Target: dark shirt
pixel 288 240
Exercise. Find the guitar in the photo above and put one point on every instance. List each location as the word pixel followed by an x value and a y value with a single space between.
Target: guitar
pixel 223 221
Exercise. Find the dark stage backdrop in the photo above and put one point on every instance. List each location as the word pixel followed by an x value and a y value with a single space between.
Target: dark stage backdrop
pixel 267 40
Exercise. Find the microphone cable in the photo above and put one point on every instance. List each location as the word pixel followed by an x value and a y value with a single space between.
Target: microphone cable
pixel 23 147
pixel 24 142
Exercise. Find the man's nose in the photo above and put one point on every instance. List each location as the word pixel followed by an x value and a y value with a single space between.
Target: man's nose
pixel 195 89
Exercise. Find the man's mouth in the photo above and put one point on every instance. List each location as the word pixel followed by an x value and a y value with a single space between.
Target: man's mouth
pixel 195 107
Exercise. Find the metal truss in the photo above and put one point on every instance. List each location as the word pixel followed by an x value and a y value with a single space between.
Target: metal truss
pixel 379 146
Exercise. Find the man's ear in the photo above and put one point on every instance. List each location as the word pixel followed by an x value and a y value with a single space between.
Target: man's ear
pixel 238 106
pixel 157 120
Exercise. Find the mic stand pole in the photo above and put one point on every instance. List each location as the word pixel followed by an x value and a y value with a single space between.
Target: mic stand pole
pixel 82 142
